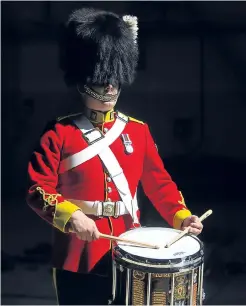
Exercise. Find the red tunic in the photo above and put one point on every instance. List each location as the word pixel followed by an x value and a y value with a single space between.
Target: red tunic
pixel 48 190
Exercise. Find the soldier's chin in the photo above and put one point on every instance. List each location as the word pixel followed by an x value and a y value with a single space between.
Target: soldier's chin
pixel 109 104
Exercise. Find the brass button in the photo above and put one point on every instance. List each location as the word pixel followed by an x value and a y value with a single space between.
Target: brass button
pixel 109 189
pixel 109 179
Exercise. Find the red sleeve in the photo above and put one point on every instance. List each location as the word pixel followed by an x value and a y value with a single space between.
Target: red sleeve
pixel 159 187
pixel 43 166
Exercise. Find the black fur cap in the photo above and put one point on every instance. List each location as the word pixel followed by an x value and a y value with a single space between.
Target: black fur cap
pixel 97 47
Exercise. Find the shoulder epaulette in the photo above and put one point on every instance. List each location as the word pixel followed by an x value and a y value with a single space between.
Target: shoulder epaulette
pixel 135 120
pixel 65 117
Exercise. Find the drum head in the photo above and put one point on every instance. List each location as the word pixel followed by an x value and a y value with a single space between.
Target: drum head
pixel 188 247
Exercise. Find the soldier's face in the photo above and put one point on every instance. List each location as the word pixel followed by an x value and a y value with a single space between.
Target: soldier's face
pixel 98 105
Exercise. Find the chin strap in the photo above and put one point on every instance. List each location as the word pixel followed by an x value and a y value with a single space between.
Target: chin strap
pixel 97 96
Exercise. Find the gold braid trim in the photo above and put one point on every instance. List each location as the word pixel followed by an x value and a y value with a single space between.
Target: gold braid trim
pixel 135 120
pixel 159 298
pixel 194 294
pixel 182 202
pixel 49 199
pixel 138 288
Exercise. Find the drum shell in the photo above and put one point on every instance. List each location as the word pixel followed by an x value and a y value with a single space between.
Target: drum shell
pixel 136 287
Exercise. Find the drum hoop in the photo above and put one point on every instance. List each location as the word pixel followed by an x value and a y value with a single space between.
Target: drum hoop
pixel 149 265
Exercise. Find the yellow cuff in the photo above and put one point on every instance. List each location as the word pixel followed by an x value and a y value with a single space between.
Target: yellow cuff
pixel 179 218
pixel 64 211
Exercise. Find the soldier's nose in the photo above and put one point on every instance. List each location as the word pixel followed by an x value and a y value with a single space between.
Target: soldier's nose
pixel 109 88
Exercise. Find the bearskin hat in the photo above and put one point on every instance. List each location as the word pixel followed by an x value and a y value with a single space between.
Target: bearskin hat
pixel 99 47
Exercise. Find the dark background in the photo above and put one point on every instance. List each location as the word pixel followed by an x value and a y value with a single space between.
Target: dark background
pixel 190 89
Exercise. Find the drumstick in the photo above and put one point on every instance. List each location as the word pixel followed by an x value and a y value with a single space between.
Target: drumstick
pixel 180 235
pixel 146 245
pixel 135 243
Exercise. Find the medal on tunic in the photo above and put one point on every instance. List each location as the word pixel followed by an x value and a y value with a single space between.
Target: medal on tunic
pixel 127 143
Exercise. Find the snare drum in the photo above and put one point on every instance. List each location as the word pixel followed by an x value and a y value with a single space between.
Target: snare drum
pixel 165 276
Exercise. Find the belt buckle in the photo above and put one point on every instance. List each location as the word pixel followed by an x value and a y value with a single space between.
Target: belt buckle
pixel 108 209
pixel 93 136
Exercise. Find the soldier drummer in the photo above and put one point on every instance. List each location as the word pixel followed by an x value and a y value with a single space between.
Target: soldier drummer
pixel 80 188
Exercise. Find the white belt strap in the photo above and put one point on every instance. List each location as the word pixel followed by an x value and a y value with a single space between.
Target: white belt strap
pixel 120 181
pixel 97 208
pixel 86 126
pixel 101 148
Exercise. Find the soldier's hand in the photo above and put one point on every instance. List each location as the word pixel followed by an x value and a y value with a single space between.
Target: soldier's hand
pixel 194 223
pixel 84 227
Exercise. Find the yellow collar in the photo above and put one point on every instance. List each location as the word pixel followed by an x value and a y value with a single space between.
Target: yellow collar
pixel 99 117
